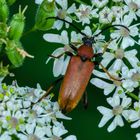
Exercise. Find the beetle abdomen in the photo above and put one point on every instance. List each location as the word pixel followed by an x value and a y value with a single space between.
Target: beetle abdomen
pixel 74 84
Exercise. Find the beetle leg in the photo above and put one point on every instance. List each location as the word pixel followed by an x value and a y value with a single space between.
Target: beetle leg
pixel 104 50
pixel 73 47
pixel 56 56
pixel 67 53
pixel 106 71
pixel 98 54
pixel 110 76
pixel 85 100
pixel 48 90
pixel 106 45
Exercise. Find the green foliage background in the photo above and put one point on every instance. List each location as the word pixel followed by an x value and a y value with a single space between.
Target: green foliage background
pixel 85 122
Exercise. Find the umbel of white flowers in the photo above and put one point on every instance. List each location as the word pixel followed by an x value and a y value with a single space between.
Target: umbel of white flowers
pixel 19 120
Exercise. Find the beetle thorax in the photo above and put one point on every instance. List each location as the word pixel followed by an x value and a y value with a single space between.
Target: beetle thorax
pixel 86 51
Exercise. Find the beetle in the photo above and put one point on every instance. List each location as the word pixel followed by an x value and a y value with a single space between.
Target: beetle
pixel 78 72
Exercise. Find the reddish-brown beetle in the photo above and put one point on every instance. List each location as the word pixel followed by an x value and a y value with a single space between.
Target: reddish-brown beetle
pixel 78 71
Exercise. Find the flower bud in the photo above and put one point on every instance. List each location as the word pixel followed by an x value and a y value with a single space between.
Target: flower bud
pixel 3 30
pixel 10 2
pixel 17 25
pixel 3 34
pixel 46 9
pixel 3 70
pixel 4 11
pixel 13 54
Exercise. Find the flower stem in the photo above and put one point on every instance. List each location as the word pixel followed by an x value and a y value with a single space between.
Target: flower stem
pixel 81 2
pixel 133 96
pixel 31 30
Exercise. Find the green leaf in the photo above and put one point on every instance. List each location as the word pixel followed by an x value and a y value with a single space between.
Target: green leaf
pixel 17 25
pixel 4 11
pixel 13 54
pixel 11 2
pixel 46 9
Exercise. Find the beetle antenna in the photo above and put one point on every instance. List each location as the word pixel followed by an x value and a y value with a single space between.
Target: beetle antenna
pixel 71 24
pixel 108 27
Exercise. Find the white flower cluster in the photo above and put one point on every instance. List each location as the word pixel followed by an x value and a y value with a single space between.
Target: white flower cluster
pixel 19 119
pixel 120 58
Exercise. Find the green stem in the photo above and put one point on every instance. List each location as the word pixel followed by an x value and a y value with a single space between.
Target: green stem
pixel 133 96
pixel 81 2
pixel 31 30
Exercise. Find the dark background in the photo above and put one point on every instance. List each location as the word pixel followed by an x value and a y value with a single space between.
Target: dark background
pixel 85 122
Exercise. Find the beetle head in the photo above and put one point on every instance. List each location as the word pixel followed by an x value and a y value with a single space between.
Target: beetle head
pixel 88 41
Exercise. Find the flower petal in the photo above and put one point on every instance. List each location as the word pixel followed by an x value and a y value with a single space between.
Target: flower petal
pixel 38 1
pixel 116 65
pixel 119 120
pixel 71 9
pixel 127 41
pixel 108 88
pixel 22 137
pixel 64 37
pixel 105 111
pixel 62 3
pixel 55 38
pixel 100 74
pixel 114 101
pixel 58 131
pixel 71 137
pixel 126 102
pixel 104 120
pixel 130 115
pixel 138 136
pixel 131 57
pixel 65 65
pixel 58 24
pixel 107 58
pixel 136 124
pixel 40 132
pixel 30 128
pixel 58 66
pixel 112 126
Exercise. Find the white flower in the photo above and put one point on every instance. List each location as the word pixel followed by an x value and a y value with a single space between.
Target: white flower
pixel 118 110
pixel 117 55
pixel 85 13
pixel 131 78
pixel 64 13
pixel 58 113
pixel 99 3
pixel 124 35
pixel 32 131
pixel 135 115
pixel 18 117
pixel 117 11
pixel 5 136
pixel 13 120
pixel 105 15
pixel 60 64
pixel 133 7
pixel 108 88
pixel 138 136
pixel 57 131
